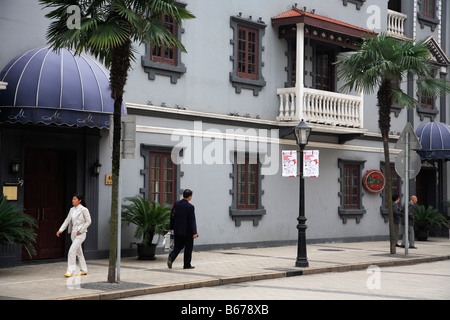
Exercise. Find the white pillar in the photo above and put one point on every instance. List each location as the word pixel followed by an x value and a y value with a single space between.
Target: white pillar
pixel 300 69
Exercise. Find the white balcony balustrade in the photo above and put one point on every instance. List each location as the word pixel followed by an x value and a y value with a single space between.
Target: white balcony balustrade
pixel 396 24
pixel 321 107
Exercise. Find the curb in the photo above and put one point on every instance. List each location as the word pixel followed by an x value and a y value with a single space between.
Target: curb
pixel 111 295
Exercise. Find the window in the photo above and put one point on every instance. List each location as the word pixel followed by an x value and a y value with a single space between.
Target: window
pixel 427 106
pixel 427 8
pixel 426 102
pixel 162 178
pixel 247 185
pixel 246 192
pixel 350 190
pixel 324 70
pixel 247 53
pixel 396 189
pixel 351 186
pixel 165 61
pixel 161 175
pixel 162 54
pixel 427 14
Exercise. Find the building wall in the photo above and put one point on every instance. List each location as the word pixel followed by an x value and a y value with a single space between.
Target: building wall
pixel 206 92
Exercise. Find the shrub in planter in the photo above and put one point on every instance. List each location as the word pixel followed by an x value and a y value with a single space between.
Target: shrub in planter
pixel 150 219
pixel 426 220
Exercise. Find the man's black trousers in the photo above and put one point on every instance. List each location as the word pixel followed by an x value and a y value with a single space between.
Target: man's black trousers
pixel 183 242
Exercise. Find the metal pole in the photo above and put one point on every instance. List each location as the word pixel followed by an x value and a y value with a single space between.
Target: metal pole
pixel 119 215
pixel 407 194
pixel 302 260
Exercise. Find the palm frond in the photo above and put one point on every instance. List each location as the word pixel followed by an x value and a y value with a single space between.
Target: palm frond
pixel 16 227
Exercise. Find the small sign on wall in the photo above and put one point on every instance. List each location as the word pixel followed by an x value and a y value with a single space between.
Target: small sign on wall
pixel 108 179
pixel 10 192
pixel 374 181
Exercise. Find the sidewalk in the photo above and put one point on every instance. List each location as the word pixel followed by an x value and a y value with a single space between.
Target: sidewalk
pixel 212 268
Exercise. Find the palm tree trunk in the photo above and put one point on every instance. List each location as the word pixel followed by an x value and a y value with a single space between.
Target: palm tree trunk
pixel 384 96
pixel 120 64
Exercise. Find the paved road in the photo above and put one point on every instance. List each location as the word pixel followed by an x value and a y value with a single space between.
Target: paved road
pixel 420 281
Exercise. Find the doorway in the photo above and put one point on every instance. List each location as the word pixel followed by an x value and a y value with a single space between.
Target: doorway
pixel 44 198
pixel 427 185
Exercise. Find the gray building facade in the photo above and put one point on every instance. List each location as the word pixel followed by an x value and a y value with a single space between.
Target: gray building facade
pixel 216 119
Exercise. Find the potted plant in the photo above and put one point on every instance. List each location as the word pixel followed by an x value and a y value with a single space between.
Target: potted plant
pixel 150 219
pixel 426 220
pixel 12 226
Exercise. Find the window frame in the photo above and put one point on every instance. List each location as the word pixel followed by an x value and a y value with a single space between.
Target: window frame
pixel 176 70
pixel 146 152
pixel 247 58
pixel 423 15
pixel 320 51
pixel 161 179
pixel 161 58
pixel 397 190
pixel 427 109
pixel 345 211
pixel 351 189
pixel 246 185
pixel 238 79
pixel 427 6
pixel 239 212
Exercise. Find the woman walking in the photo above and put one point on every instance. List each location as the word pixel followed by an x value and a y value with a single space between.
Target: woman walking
pixel 78 220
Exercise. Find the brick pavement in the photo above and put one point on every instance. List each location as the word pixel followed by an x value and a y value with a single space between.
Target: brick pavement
pixel 217 267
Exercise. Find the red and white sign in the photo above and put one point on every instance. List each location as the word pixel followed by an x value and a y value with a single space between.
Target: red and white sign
pixel 289 163
pixel 311 163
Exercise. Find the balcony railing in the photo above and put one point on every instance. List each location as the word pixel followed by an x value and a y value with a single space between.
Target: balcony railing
pixel 396 23
pixel 322 107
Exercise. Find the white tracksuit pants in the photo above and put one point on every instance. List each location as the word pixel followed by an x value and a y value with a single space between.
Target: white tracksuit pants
pixel 76 251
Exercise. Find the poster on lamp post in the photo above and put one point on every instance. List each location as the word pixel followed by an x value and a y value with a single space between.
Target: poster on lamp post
pixel 289 163
pixel 311 163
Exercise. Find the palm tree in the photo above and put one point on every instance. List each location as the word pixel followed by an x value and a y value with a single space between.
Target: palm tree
pixel 16 227
pixel 107 30
pixel 382 63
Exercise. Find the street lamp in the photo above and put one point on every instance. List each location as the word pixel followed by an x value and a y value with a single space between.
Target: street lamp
pixel 301 132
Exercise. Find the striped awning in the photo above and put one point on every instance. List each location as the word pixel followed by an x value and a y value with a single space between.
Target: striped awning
pixel 435 140
pixel 56 87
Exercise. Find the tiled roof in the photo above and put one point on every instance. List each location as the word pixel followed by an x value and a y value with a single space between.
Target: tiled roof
pixel 295 14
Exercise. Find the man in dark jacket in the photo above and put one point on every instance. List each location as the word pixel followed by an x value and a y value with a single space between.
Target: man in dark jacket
pixel 397 216
pixel 182 223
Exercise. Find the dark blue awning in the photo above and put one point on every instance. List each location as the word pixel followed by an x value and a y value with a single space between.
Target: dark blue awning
pixel 435 140
pixel 56 87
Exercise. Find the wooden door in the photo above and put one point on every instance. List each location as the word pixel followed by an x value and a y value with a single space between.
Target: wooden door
pixel 44 196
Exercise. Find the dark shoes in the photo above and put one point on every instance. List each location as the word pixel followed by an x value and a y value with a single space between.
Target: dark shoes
pixel 170 261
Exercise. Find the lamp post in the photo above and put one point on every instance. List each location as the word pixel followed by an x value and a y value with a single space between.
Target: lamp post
pixel 302 132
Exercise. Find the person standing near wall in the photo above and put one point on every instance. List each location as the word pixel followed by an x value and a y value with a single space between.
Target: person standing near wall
pixel 184 226
pixel 78 220
pixel 411 206
pixel 397 216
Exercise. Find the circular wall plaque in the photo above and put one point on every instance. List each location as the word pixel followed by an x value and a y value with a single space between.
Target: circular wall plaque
pixel 374 181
